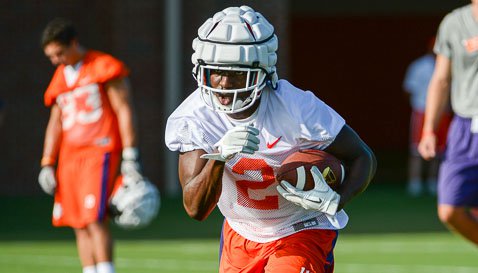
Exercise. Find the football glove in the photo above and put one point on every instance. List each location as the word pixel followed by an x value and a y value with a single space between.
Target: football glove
pixel 130 166
pixel 135 204
pixel 47 179
pixel 240 139
pixel 321 197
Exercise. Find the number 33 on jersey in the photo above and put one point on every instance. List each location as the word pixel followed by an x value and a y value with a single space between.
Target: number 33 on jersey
pixel 86 116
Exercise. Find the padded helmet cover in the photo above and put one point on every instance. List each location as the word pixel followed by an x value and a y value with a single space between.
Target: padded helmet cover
pixel 236 37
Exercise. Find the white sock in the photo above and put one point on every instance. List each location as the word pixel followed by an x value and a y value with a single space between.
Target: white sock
pixel 105 267
pixel 89 269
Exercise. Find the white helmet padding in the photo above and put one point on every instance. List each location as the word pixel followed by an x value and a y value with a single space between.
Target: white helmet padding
pixel 235 38
pixel 134 204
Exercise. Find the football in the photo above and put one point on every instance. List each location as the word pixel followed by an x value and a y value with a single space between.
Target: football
pixel 331 168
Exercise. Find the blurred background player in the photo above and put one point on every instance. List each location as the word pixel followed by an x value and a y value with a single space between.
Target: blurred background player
pixel 232 134
pixel 415 84
pixel 455 76
pixel 90 127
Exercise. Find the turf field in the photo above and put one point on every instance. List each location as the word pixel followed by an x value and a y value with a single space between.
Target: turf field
pixel 388 233
pixel 384 253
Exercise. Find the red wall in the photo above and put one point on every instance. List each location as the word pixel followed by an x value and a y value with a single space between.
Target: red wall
pixel 357 64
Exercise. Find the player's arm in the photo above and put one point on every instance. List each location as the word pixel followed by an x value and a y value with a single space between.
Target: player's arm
pixel 200 173
pixel 359 160
pixel 201 181
pixel 52 141
pixel 437 101
pixel 119 94
pixel 51 146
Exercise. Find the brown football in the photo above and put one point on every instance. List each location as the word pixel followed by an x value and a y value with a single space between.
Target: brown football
pixel 331 168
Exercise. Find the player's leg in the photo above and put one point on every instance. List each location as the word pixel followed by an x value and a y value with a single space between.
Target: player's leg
pixel 414 185
pixel 434 164
pixel 432 175
pixel 308 251
pixel 97 176
pixel 457 193
pixel 239 254
pixel 105 173
pixel 415 162
pixel 102 241
pixel 458 180
pixel 460 220
pixel 85 250
pixel 94 245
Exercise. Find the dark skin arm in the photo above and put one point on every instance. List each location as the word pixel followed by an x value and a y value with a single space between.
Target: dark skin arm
pixel 201 181
pixel 359 162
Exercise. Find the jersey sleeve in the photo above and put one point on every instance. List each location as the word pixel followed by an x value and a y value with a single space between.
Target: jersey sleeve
pixel 56 86
pixel 190 127
pixel 443 44
pixel 184 134
pixel 316 122
pixel 321 123
pixel 107 68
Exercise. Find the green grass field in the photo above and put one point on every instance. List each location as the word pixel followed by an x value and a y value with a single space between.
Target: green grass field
pixel 384 253
pixel 388 233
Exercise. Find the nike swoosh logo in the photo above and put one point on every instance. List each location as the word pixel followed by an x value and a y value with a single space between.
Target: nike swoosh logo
pixel 270 145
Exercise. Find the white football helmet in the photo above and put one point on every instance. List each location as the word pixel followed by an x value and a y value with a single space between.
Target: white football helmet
pixel 235 39
pixel 134 204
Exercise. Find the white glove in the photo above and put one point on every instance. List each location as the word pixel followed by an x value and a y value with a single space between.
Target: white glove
pixel 321 197
pixel 47 179
pixel 240 139
pixel 130 167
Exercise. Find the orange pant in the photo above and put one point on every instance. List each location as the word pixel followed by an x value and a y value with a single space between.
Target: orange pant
pixel 308 251
pixel 85 183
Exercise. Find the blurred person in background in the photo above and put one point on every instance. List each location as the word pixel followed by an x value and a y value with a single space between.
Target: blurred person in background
pixel 456 77
pixel 90 128
pixel 415 84
pixel 232 134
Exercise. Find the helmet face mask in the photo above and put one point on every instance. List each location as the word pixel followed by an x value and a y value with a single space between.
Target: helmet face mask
pixel 242 93
pixel 235 40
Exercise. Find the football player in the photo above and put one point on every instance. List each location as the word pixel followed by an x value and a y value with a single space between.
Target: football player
pixel 415 84
pixel 233 132
pixel 455 76
pixel 89 131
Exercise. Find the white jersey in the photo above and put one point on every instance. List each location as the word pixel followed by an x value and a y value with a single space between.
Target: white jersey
pixel 288 119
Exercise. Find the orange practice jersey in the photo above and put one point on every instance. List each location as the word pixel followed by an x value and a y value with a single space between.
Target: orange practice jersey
pixel 87 117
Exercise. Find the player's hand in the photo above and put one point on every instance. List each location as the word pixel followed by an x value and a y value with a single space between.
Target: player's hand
pixel 130 166
pixel 321 197
pixel 427 146
pixel 240 139
pixel 47 179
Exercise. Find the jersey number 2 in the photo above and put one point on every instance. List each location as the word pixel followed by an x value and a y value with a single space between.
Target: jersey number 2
pixel 247 189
